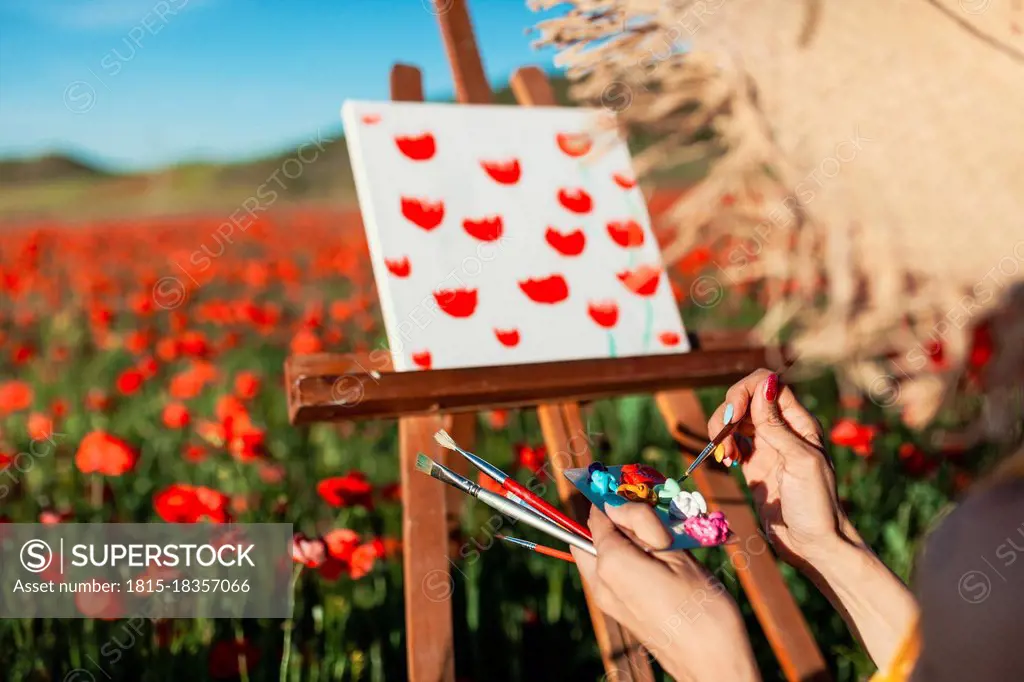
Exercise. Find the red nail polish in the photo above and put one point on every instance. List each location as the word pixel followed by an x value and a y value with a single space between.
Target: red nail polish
pixel 771 387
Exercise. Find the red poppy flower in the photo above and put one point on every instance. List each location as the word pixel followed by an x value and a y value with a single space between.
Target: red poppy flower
pixel 507 337
pixel 626 234
pixel 981 347
pixel 551 289
pixel 457 302
pixel 371 119
pixel 643 281
pixel 604 313
pixel 40 426
pixel 340 543
pixel 176 416
pixel 101 604
pixel 399 267
pixel 350 490
pixel 497 419
pixel 422 359
pixel 854 435
pixel 130 381
pixel 575 200
pixel 184 503
pixel 566 243
pixel 148 367
pixel 306 342
pixel 531 458
pixel 418 147
pixel 363 559
pixel 915 461
pixel 423 212
pixel 228 655
pixel 485 229
pixel 101 453
pixel 194 453
pixel 695 261
pixel 936 353
pixel 670 339
pixel 96 400
pixel 14 397
pixel 247 385
pixel 624 180
pixel 574 144
pixel 503 172
pixel 309 552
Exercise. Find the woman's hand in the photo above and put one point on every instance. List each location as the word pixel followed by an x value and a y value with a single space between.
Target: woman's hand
pixel 794 487
pixel 789 474
pixel 678 611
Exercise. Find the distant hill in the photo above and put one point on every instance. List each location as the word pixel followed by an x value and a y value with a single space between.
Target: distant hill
pixel 65 188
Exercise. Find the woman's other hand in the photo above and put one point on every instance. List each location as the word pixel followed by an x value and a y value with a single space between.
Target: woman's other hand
pixel 678 611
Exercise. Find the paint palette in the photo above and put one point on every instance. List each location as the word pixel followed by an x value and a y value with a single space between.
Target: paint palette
pixel 681 538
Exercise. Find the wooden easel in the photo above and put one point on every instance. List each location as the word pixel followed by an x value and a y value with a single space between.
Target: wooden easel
pixel 329 387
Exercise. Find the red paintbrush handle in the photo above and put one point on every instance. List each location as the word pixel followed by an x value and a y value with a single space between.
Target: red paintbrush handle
pixel 547 551
pixel 539 502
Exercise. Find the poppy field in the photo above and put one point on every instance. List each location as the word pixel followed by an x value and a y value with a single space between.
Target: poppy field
pixel 141 381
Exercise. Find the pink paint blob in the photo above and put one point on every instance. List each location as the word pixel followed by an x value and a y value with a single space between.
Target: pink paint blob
pixel 708 530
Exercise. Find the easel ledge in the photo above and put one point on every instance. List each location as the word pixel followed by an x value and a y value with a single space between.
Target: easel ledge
pixel 333 387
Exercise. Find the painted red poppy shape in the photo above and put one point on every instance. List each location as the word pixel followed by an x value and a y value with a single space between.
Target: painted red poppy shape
pixel 423 212
pixel 604 313
pixel 574 144
pixel 626 234
pixel 503 172
pixel 575 200
pixel 566 243
pixel 507 337
pixel 457 302
pixel 485 229
pixel 371 119
pixel 624 181
pixel 399 267
pixel 417 147
pixel 669 339
pixel 643 281
pixel 422 359
pixel 551 289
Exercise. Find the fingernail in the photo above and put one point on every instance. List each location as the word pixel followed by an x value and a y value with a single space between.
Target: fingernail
pixel 771 387
pixel 719 452
pixel 727 417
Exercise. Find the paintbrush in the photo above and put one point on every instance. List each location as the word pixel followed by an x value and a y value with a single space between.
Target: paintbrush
pixel 539 549
pixel 505 506
pixel 513 486
pixel 709 448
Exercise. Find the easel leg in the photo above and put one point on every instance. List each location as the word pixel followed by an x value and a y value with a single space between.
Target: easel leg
pixel 427 584
pixel 568 446
pixel 751 557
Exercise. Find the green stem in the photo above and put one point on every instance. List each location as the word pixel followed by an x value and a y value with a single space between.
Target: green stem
pixel 289 625
pixel 611 345
pixel 648 325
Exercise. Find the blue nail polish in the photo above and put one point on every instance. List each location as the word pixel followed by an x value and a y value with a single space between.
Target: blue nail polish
pixel 727 417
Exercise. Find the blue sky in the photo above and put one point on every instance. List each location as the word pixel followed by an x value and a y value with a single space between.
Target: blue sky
pixel 136 84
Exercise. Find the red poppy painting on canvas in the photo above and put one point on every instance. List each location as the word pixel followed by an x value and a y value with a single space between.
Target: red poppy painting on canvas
pixel 506 235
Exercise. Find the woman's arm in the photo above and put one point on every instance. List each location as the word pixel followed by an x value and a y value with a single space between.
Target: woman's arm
pixel 876 605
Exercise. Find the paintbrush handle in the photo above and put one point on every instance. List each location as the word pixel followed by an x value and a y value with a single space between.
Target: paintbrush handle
pixel 710 447
pixel 555 553
pixel 544 506
pixel 532 518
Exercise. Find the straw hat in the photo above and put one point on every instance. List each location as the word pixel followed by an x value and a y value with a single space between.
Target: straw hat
pixel 872 150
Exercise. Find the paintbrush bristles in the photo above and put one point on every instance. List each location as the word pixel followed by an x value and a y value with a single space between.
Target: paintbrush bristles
pixel 445 441
pixel 424 463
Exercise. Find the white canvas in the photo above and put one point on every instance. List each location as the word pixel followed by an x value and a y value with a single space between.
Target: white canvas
pixel 526 166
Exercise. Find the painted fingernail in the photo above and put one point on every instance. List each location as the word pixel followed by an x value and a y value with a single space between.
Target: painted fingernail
pixel 771 387
pixel 719 452
pixel 727 461
pixel 727 417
